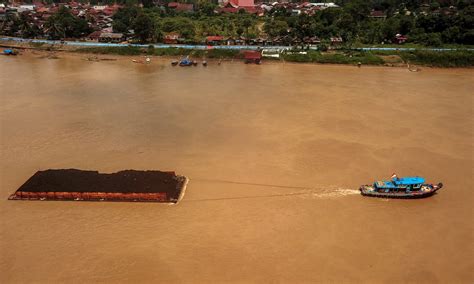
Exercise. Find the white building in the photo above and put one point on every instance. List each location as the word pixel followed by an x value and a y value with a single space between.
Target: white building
pixel 24 8
pixel 99 7
pixel 325 5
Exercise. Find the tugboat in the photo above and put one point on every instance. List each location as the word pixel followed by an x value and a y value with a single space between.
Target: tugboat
pixel 405 187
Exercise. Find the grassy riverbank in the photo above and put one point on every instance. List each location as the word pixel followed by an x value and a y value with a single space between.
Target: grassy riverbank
pixel 457 58
pixel 350 57
pixel 131 50
pixel 460 58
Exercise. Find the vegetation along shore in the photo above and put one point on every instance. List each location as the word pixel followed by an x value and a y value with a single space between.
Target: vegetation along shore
pixel 354 56
pixel 318 32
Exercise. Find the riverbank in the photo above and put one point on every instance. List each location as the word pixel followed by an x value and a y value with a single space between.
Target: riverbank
pixel 391 58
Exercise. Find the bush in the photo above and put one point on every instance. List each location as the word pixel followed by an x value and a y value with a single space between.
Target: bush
pixel 335 58
pixel 120 50
pixel 459 58
pixel 322 47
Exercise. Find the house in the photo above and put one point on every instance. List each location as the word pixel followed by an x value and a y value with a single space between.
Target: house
pixel 214 40
pixel 26 8
pixel 171 38
pixel 3 13
pixel 42 10
pixel 234 6
pixel 242 3
pixel 324 5
pixel 400 39
pixel 181 7
pixel 99 7
pixel 94 36
pixel 312 41
pixel 235 41
pixel 378 15
pixel 336 40
pixel 111 37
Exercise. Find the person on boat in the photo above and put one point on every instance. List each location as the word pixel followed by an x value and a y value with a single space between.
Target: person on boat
pixel 394 178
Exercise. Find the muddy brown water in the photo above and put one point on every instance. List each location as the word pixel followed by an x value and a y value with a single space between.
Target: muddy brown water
pixel 274 154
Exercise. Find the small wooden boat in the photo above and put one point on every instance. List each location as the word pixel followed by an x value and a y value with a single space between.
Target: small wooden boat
pixel 204 63
pixel 405 187
pixel 186 62
pixel 174 62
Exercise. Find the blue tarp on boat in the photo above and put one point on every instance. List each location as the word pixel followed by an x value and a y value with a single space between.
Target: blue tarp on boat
pixel 409 180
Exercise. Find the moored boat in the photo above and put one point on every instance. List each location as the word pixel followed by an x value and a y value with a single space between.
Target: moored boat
pixel 405 187
pixel 9 52
pixel 186 62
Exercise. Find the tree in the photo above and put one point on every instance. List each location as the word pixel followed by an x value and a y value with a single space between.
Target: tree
pixel 184 26
pixel 148 3
pixel 246 24
pixel 124 18
pixel 303 27
pixel 26 27
pixel 144 27
pixel 63 24
pixel 276 28
pixel 207 8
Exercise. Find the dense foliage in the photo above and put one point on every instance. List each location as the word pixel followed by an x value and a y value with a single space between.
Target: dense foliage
pixel 64 25
pixel 429 23
pixel 448 22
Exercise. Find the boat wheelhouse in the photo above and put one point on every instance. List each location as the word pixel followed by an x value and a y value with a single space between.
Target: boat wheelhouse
pixel 405 187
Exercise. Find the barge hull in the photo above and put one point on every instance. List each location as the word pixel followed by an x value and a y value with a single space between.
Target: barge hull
pixel 78 185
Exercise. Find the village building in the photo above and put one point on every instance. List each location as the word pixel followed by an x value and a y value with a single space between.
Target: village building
pixel 234 6
pixel 181 7
pixel 214 40
pixel 111 37
pixel 94 36
pixel 3 13
pixel 235 41
pixel 336 40
pixel 374 14
pixel 400 39
pixel 171 38
pixel 311 41
pixel 25 8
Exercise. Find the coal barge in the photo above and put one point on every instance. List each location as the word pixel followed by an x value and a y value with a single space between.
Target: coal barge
pixel 80 185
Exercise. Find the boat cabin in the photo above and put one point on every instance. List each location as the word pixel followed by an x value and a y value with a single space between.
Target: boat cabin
pixel 404 183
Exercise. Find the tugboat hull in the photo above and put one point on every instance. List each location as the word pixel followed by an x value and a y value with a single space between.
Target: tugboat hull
pixel 426 191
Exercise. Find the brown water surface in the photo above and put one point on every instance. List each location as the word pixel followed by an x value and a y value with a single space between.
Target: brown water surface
pixel 275 154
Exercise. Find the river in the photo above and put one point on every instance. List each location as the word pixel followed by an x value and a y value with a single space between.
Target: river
pixel 275 154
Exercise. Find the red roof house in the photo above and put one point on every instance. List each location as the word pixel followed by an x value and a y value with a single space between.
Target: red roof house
pixel 213 40
pixel 171 38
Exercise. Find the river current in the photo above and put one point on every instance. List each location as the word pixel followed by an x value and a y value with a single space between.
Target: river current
pixel 275 154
